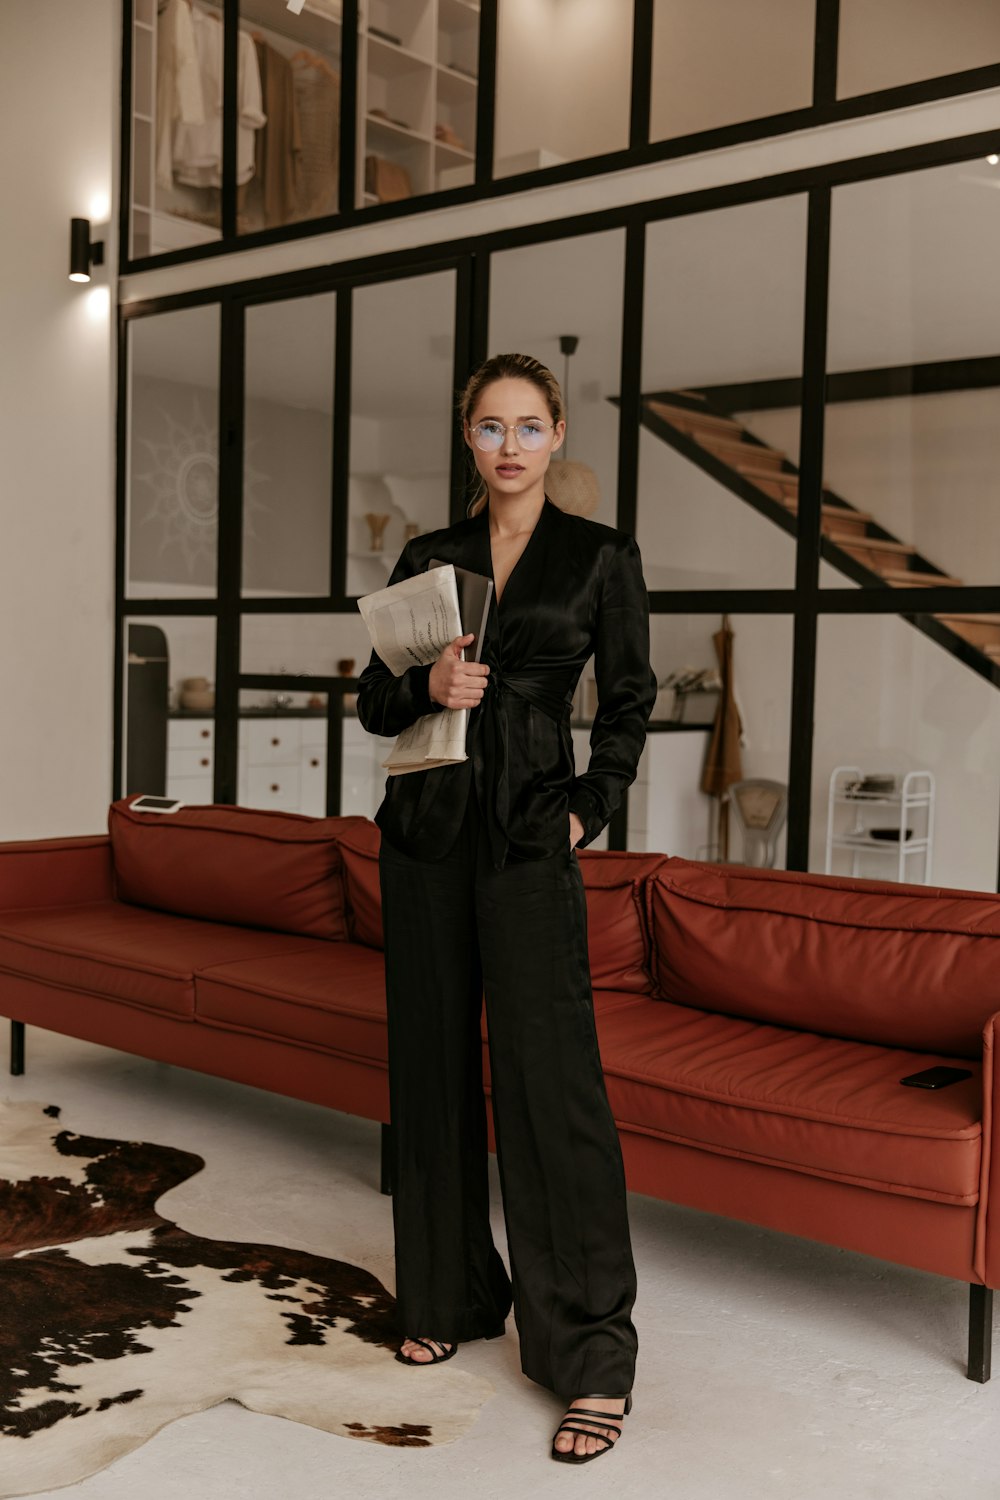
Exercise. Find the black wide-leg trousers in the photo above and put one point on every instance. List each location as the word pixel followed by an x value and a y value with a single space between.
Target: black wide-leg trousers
pixel 457 929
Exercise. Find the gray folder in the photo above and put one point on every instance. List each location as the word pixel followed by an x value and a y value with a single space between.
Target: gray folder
pixel 475 592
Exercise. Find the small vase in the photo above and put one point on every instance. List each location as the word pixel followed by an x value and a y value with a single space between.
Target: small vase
pixel 376 525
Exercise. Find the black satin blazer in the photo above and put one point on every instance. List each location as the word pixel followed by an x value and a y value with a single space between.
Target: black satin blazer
pixel 577 589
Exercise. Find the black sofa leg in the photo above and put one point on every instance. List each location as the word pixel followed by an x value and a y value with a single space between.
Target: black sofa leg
pixel 386 1158
pixel 980 1332
pixel 17 1047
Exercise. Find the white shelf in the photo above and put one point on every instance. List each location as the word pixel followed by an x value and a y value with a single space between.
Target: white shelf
pixel 884 846
pixel 454 152
pixel 391 60
pixel 914 803
pixel 376 123
pixel 414 80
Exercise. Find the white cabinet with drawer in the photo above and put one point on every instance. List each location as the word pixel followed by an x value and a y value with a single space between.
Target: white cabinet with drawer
pixel 282 764
pixel 190 759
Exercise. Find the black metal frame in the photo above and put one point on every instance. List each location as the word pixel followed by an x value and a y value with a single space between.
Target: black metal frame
pixel 803 603
pixel 825 109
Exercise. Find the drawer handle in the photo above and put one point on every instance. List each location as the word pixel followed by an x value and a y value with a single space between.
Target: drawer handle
pixel 205 761
pixel 314 762
pixel 276 741
pixel 205 733
pixel 275 787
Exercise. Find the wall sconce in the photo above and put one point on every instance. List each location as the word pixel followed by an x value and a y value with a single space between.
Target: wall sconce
pixel 83 252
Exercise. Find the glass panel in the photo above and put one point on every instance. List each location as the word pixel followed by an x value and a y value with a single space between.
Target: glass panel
pixel 288 136
pixel 417 87
pixel 884 43
pixel 715 63
pixel 402 411
pixel 173 454
pixel 669 812
pixel 168 742
pixel 722 358
pixel 288 457
pixel 333 645
pixel 176 125
pixel 891 701
pixel 570 287
pixel 912 448
pixel 283 752
pixel 564 82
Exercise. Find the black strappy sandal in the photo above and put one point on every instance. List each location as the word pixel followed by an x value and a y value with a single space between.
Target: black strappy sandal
pixel 435 1359
pixel 588 1416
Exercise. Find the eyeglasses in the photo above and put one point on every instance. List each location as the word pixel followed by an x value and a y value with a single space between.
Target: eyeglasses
pixel 531 436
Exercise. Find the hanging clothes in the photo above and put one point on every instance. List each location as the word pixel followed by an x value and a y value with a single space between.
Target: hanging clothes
pixel 279 149
pixel 198 148
pixel 317 102
pixel 179 97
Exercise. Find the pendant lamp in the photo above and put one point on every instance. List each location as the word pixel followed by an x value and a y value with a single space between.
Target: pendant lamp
pixel 569 484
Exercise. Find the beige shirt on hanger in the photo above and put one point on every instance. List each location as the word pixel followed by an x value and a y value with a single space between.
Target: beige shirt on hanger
pixel 198 148
pixel 178 83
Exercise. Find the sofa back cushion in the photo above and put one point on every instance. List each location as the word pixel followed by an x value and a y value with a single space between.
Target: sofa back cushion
pixel 233 864
pixel 900 965
pixel 359 846
pixel 614 883
pixel 617 931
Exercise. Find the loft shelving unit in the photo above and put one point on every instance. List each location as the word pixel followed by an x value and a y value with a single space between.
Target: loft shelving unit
pixel 417 63
pixel 911 808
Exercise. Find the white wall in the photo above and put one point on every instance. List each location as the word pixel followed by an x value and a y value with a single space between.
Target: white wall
pixel 58 100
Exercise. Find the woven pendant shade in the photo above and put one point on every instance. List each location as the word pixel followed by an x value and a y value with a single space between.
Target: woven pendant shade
pixel 572 486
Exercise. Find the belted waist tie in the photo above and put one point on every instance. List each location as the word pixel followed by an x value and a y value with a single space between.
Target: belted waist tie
pixel 551 691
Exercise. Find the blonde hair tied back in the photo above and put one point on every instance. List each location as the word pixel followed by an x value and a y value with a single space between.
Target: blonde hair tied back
pixel 506 367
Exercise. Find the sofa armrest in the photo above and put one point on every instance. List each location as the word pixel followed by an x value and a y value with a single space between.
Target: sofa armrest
pixel 987 1251
pixel 56 872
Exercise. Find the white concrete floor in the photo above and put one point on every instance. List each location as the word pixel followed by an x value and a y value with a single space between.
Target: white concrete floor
pixel 768 1366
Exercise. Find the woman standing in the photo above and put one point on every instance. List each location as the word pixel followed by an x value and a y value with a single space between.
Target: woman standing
pixel 482 894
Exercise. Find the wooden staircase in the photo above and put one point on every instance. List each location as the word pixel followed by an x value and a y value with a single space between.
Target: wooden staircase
pixel 852 540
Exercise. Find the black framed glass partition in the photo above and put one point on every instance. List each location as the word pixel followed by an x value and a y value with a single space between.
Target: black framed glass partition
pixel 563 82
pixel 418 64
pixel 906 777
pixel 715 63
pixel 541 295
pixel 288 446
pixel 912 441
pixel 402 416
pixel 289 82
pixel 172 463
pixel 245 121
pixel 168 732
pixel 176 125
pixel 887 43
pixel 746 309
pixel 723 324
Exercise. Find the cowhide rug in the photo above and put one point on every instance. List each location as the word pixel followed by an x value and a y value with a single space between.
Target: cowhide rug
pixel 114 1322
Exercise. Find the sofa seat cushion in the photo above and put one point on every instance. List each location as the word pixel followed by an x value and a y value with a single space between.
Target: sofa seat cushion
pixel 127 953
pixel 331 996
pixel 818 1104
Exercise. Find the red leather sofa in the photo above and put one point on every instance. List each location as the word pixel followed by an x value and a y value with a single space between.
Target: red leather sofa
pixel 754 1025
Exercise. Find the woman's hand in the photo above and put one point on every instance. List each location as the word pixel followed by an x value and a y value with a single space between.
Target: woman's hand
pixel 455 683
pixel 576 830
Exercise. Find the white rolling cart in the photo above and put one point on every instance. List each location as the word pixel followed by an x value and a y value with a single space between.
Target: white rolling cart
pixel 850 826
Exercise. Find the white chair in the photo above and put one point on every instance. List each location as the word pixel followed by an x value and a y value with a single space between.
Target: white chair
pixel 759 809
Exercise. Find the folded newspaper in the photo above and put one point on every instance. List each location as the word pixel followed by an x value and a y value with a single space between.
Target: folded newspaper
pixel 410 623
